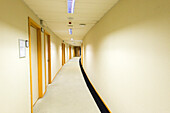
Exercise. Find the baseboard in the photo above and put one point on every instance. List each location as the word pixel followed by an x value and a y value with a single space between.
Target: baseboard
pixel 44 92
pixel 56 74
pixel 99 101
pixel 36 101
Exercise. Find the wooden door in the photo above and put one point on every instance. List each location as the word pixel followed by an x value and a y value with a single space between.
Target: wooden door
pixel 35 55
pixel 69 52
pixel 63 53
pixel 47 58
pixel 34 62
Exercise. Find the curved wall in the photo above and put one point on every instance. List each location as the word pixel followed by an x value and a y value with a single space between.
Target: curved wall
pixel 127 56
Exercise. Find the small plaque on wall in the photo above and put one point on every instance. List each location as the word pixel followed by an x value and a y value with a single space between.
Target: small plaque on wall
pixel 22 49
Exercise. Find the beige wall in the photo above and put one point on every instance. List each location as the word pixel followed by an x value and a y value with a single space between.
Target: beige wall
pixel 56 54
pixel 72 51
pixel 56 58
pixel 66 53
pixel 127 56
pixel 14 71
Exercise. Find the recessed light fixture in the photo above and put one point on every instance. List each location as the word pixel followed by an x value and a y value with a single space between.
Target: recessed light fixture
pixel 70 4
pixel 82 25
pixel 70 31
pixel 71 39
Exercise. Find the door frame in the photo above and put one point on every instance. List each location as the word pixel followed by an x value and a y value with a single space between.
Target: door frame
pixel 69 52
pixel 49 56
pixel 74 54
pixel 31 23
pixel 63 53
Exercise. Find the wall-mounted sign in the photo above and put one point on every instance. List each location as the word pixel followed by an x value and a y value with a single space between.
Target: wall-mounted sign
pixel 22 49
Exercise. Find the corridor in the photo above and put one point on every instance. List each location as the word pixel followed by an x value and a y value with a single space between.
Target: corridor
pixel 68 93
pixel 124 46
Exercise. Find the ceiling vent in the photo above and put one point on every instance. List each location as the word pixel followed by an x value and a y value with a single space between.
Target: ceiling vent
pixel 82 25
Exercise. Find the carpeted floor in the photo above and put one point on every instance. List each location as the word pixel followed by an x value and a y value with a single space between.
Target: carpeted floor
pixel 68 93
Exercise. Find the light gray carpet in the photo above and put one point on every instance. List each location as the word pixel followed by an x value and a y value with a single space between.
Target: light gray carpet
pixel 68 93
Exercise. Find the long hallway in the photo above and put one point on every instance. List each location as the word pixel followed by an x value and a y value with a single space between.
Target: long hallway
pixel 124 46
pixel 68 93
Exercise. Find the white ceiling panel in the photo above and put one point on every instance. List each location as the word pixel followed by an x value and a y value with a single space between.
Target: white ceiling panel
pixel 54 13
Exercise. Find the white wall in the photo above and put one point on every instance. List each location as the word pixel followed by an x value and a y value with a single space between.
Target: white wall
pixel 127 56
pixel 56 55
pixel 72 51
pixel 66 53
pixel 14 71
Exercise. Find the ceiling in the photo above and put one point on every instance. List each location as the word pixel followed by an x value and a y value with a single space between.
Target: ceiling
pixel 54 14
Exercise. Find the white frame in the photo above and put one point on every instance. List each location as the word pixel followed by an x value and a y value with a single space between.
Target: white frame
pixel 22 49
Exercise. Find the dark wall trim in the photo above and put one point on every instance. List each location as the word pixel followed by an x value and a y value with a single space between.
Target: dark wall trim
pixel 103 108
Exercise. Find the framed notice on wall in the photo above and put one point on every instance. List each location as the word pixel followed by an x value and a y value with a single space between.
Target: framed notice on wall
pixel 22 49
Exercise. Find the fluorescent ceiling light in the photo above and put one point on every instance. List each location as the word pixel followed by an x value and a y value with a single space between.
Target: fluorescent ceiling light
pixel 70 31
pixel 70 4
